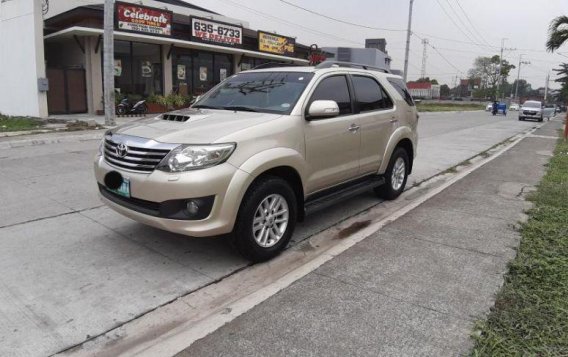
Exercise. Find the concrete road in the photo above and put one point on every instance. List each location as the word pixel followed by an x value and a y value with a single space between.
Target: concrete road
pixel 73 269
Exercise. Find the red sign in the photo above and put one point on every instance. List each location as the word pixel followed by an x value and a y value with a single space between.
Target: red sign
pixel 137 18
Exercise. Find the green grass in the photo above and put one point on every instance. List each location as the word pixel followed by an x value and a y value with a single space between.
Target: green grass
pixel 8 123
pixel 448 107
pixel 530 317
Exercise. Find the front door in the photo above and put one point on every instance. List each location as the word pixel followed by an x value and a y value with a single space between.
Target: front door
pixel 332 144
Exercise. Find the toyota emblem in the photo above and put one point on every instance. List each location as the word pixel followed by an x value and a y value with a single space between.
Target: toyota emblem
pixel 121 150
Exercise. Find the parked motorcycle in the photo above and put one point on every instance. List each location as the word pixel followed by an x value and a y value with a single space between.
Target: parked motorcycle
pixel 125 108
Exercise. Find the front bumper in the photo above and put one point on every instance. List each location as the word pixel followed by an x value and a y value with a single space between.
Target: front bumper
pixel 224 182
pixel 529 114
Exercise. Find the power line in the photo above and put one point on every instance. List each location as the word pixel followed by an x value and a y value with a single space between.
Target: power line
pixel 471 23
pixel 289 23
pixel 339 20
pixel 455 24
pixel 465 26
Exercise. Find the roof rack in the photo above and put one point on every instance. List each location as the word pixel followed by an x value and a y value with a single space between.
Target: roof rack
pixel 275 64
pixel 330 64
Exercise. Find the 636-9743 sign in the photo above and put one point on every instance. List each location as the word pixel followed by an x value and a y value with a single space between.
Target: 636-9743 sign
pixel 215 32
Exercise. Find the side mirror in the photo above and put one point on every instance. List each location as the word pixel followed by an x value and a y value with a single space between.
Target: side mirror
pixel 323 109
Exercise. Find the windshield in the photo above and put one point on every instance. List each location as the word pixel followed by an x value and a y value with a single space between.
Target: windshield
pixel 532 105
pixel 270 92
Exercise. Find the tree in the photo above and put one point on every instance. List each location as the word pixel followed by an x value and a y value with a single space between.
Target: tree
pixel 490 72
pixel 557 33
pixel 426 80
pixel 524 88
pixel 444 90
pixel 558 36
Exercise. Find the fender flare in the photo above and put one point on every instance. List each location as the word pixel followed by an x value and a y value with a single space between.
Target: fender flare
pixel 399 134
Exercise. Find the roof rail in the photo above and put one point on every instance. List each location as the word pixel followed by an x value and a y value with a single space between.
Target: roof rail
pixel 330 64
pixel 275 64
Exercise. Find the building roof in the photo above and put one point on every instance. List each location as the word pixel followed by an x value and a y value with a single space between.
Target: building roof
pixel 419 85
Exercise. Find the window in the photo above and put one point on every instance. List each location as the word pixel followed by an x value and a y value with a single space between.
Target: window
pixel 398 84
pixel 137 68
pixel 369 94
pixel 334 88
pixel 268 92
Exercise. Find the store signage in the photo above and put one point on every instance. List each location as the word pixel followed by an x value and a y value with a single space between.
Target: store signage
pixel 142 19
pixel 215 32
pixel 277 44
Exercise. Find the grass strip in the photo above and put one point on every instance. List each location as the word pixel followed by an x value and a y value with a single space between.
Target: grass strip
pixel 8 123
pixel 530 316
pixel 448 107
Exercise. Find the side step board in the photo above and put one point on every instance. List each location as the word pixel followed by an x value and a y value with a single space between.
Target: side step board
pixel 341 193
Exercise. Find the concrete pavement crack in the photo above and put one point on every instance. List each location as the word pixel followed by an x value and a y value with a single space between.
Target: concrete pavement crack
pixel 50 217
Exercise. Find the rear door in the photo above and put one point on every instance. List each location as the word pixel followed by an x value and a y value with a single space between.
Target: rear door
pixel 332 144
pixel 376 115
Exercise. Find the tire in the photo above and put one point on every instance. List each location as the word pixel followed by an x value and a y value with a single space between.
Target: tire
pixel 393 187
pixel 248 241
pixel 143 109
pixel 540 119
pixel 120 110
pixel 521 118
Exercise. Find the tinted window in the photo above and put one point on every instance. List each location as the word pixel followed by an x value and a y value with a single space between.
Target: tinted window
pixel 369 94
pixel 400 87
pixel 334 88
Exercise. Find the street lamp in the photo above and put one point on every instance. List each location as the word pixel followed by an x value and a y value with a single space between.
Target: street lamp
pixel 521 62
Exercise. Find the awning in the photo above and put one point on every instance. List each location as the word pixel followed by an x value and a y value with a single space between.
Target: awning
pixel 120 35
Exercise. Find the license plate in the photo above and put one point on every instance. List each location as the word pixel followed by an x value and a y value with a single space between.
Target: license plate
pixel 124 189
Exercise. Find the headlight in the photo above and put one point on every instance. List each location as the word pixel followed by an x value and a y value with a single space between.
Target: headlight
pixel 193 157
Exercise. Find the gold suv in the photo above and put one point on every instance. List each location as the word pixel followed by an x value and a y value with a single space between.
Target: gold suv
pixel 261 151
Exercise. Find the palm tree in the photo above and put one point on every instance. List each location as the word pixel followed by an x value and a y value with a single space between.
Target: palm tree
pixel 557 36
pixel 557 33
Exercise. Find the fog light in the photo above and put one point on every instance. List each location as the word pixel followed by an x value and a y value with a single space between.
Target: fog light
pixel 192 207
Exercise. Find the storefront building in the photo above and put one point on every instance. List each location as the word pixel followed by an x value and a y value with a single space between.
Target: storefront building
pixel 160 47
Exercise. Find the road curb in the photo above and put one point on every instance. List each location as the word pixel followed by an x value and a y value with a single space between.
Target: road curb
pixel 13 144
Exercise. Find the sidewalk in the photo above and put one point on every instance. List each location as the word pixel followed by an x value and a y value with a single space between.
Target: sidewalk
pixel 415 287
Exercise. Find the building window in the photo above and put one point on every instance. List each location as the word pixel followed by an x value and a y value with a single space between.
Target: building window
pixel 182 72
pixel 138 68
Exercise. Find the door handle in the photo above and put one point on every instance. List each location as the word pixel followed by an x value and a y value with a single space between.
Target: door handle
pixel 393 120
pixel 354 128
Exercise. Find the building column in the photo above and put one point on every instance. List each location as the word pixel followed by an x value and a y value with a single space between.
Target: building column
pixel 236 59
pixel 94 74
pixel 22 59
pixel 167 70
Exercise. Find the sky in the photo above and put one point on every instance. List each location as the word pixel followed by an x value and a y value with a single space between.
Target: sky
pixel 458 30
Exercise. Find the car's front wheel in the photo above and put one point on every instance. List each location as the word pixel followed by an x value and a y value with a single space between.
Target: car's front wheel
pixel 266 219
pixel 395 176
pixel 521 118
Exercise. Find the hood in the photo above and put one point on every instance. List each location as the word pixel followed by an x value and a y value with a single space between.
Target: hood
pixel 532 109
pixel 202 127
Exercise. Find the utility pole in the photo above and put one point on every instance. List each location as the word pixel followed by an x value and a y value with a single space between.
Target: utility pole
pixel 408 33
pixel 108 63
pixel 546 86
pixel 424 58
pixel 521 62
pixel 500 83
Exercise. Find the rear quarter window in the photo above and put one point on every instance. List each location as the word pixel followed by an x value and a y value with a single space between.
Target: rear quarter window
pixel 400 87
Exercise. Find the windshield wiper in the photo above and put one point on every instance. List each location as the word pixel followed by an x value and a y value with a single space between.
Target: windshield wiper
pixel 239 108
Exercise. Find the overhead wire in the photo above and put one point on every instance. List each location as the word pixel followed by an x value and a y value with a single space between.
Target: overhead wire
pixel 471 23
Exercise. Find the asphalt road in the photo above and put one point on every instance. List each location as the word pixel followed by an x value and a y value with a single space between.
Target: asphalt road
pixel 73 269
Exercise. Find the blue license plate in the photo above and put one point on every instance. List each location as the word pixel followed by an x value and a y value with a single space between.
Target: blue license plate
pixel 124 189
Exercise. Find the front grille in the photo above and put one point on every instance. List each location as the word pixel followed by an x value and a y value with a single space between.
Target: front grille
pixel 527 112
pixel 175 117
pixel 136 159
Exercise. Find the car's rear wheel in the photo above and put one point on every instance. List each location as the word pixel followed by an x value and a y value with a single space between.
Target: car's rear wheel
pixel 266 219
pixel 395 176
